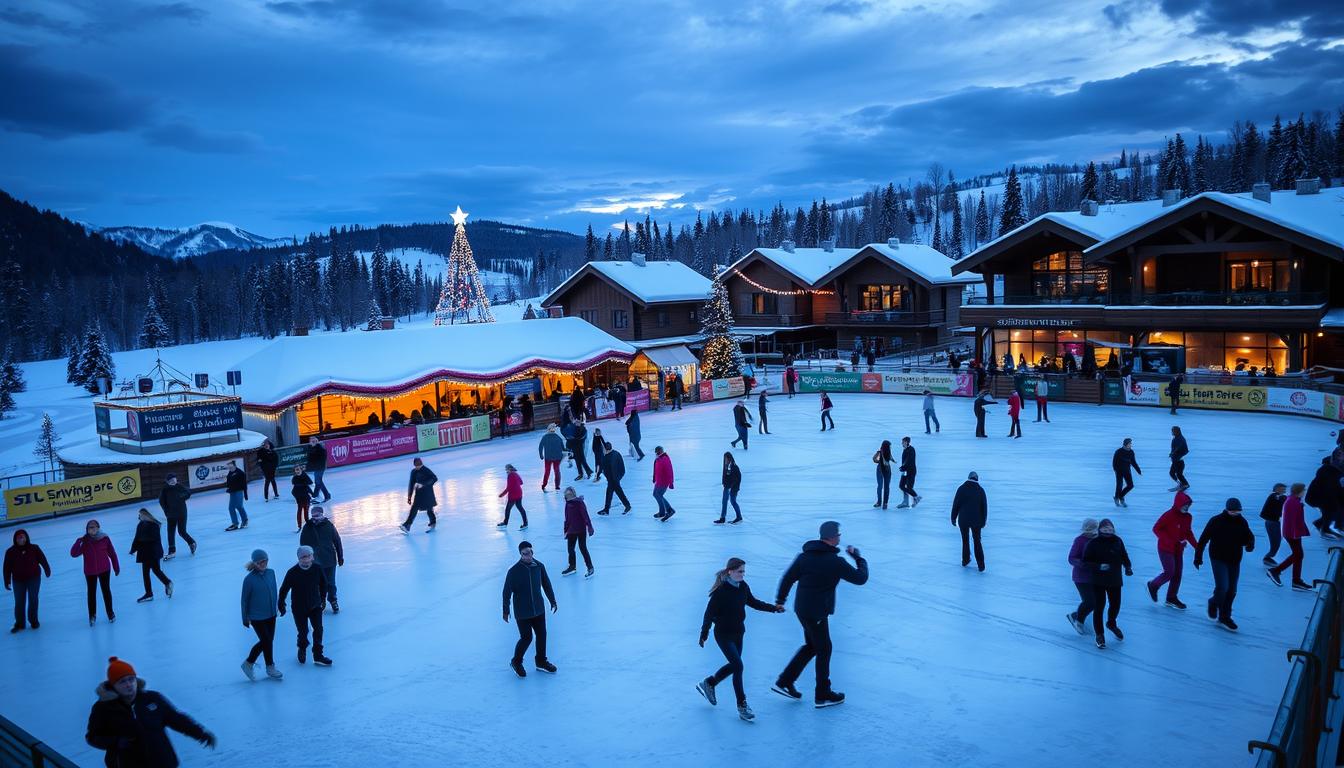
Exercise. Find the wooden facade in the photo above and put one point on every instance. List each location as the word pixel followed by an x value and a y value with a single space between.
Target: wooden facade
pixel 596 298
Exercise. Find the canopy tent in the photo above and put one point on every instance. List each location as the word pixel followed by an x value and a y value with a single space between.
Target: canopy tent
pixel 670 356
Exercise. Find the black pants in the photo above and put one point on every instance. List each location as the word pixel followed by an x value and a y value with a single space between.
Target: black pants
pixel 1124 483
pixel 731 645
pixel 1100 595
pixel 980 425
pixel 177 524
pixel 1175 403
pixel 1085 600
pixel 1042 410
pixel 580 538
pixel 907 484
pixel 302 621
pixel 1177 471
pixel 265 645
pixel 521 511
pixel 146 569
pixel 526 628
pixel 969 534
pixel 25 600
pixel 614 487
pixel 762 426
pixel 580 460
pixel 676 402
pixel 826 419
pixel 816 645
pixel 411 517
pixel 104 580
pixel 1015 428
pixel 268 485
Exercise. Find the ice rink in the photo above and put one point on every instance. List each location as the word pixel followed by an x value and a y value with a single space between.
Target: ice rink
pixel 941 665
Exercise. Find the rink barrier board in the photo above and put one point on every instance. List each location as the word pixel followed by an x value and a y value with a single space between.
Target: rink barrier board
pixel 20 748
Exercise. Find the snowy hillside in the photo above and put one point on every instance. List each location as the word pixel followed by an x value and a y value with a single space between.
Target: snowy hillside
pixel 190 241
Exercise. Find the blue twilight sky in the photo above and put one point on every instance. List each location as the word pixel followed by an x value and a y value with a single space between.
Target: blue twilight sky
pixel 289 116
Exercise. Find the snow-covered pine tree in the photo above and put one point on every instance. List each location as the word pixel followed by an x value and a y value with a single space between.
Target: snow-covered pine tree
pixel 956 247
pixel 938 244
pixel 609 249
pixel 46 442
pixel 590 246
pixel 75 351
pixel 378 275
pixel 982 232
pixel 375 321
pixel 1273 152
pixel 6 400
pixel 1011 217
pixel 1292 163
pixel 1199 170
pixel 11 375
pixel 153 331
pixel 722 358
pixel 1089 190
pixel 96 361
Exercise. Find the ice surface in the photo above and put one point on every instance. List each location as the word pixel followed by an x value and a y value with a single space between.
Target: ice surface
pixel 941 665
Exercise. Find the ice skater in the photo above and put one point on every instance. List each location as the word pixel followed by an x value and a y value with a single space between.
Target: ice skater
pixel 613 467
pixel 320 533
pixel 317 461
pixel 1272 513
pixel 1121 462
pixel 173 502
pixel 147 546
pixel 301 488
pixel 726 612
pixel 883 459
pixel 599 451
pixel 268 460
pixel 1015 413
pixel 826 407
pixel 24 564
pixel 513 489
pixel 662 483
pixel 578 447
pixel 130 723
pixel 732 483
pixel 236 485
pixel 1174 391
pixel 763 424
pixel 259 611
pixel 632 432
pixel 306 587
pixel 420 494
pixel 1082 575
pixel 1042 400
pixel 930 414
pixel 970 511
pixel 1179 450
pixel 982 401
pixel 817 570
pixel 1226 535
pixel 1173 531
pixel 741 423
pixel 100 561
pixel 524 583
pixel 578 527
pixel 909 497
pixel 1294 531
pixel 1106 556
pixel 551 449
pixel 1324 494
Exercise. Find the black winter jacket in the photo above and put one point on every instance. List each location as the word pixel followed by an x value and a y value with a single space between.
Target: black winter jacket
pixel 970 508
pixel 524 584
pixel 727 609
pixel 732 478
pixel 613 466
pixel 301 487
pixel 268 460
pixel 1107 559
pixel 147 546
pixel 817 571
pixel 236 481
pixel 173 500
pixel 423 497
pixel 325 541
pixel 1226 536
pixel 908 460
pixel 740 418
pixel 317 457
pixel 134 735
pixel 1123 459
pixel 1273 507
pixel 307 589
pixel 1178 448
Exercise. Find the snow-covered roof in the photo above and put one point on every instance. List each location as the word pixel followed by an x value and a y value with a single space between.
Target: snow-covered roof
pixel 290 369
pixel 924 262
pixel 808 265
pixel 1111 219
pixel 654 282
pixel 1334 318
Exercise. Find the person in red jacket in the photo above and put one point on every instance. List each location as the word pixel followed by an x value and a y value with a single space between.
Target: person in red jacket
pixel 1014 411
pixel 1294 531
pixel 24 564
pixel 100 558
pixel 513 489
pixel 1173 532
pixel 578 527
pixel 662 483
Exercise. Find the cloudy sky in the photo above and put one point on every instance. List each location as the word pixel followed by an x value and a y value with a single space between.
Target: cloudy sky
pixel 289 116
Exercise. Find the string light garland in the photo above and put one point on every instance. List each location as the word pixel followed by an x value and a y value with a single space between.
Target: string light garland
pixel 463 296
pixel 777 292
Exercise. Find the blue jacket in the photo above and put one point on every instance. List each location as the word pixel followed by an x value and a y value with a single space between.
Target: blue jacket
pixel 259 595
pixel 551 447
pixel 524 583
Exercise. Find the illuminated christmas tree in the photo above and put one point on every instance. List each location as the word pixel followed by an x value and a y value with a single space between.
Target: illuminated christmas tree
pixel 463 298
pixel 722 357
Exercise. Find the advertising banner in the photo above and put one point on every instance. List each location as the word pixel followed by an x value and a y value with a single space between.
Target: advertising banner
pixel 1145 393
pixel 530 386
pixel 601 408
pixel 71 495
pixel 1235 397
pixel 1304 402
pixel 211 473
pixel 1223 397
pixel 290 456
pixel 444 434
pixel 637 400
pixel 374 445
pixel 1026 387
pixel 184 420
pixel 1112 391
pixel 837 381
pixel 913 383
pixel 720 389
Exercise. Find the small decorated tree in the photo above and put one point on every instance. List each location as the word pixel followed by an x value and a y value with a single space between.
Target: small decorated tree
pixel 463 298
pixel 722 356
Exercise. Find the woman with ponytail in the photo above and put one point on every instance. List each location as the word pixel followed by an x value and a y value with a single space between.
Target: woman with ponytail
pixel 727 612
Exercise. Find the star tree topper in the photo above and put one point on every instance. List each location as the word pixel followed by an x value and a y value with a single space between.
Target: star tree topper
pixel 460 216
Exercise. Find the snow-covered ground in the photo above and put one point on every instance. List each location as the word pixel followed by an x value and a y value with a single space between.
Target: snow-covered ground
pixel 941 665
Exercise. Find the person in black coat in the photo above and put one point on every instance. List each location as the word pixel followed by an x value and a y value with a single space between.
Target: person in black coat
pixel 907 484
pixel 173 502
pixel 613 467
pixel 1272 513
pixel 732 483
pixel 307 589
pixel 1323 493
pixel 1226 535
pixel 597 444
pixel 525 410
pixel 148 550
pixel 317 462
pixel 578 447
pixel 632 431
pixel 1174 391
pixel 1121 462
pixel 523 585
pixel 981 401
pixel 235 483
pixel 727 614
pixel 1105 557
pixel 617 396
pixel 1179 449
pixel 817 571
pixel 420 495
pixel 130 722
pixel 970 510
pixel 268 460
pixel 763 426
pixel 301 488
pixel 741 423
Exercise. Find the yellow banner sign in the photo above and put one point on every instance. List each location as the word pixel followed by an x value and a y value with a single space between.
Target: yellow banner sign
pixel 71 495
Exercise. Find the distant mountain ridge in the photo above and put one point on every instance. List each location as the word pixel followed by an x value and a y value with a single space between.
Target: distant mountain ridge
pixel 186 242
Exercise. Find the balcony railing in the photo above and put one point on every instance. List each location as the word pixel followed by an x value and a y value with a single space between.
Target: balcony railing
pixel 927 317
pixel 770 321
pixel 1167 299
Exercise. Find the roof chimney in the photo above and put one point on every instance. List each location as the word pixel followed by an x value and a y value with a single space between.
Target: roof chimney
pixel 828 245
pixel 1170 197
pixel 1260 191
pixel 1089 208
pixel 637 259
pixel 893 242
pixel 787 245
pixel 1309 186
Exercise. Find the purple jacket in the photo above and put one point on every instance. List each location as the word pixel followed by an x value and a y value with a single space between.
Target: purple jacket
pixel 1082 574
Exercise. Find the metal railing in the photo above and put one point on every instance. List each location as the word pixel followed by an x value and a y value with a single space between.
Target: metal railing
pixel 1297 735
pixel 771 321
pixel 1164 299
pixel 895 317
pixel 20 748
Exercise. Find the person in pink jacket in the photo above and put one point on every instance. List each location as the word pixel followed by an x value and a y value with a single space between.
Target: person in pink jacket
pixel 100 559
pixel 1173 533
pixel 662 483
pixel 1294 531
pixel 578 527
pixel 513 489
pixel 1014 411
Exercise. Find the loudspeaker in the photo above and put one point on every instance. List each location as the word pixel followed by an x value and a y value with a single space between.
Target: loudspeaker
pixel 235 378
pixel 144 386
pixel 202 380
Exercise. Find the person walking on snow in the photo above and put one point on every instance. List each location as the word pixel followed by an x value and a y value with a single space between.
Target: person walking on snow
pixel 524 583
pixel 551 450
pixel 259 612
pixel 100 559
pixel 24 564
pixel 970 511
pixel 147 546
pixel 1014 413
pixel 321 534
pixel 1082 575
pixel 981 402
pixel 513 490
pixel 633 433
pixel 732 483
pixel 727 614
pixel 1272 513
pixel 1106 556
pixel 909 497
pixel 317 461
pixel 613 466
pixel 1226 535
pixel 763 426
pixel 268 460
pixel 817 570
pixel 883 459
pixel 578 527
pixel 420 494
pixel 306 587
pixel 742 423
pixel 1179 449
pixel 1173 531
pixel 930 413
pixel 662 483
pixel 301 488
pixel 173 502
pixel 1121 462
pixel 130 723
pixel 236 485
pixel 826 407
pixel 1042 397
pixel 1294 531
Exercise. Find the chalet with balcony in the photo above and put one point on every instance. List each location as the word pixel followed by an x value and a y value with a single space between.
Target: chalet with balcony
pixel 634 300
pixel 1229 280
